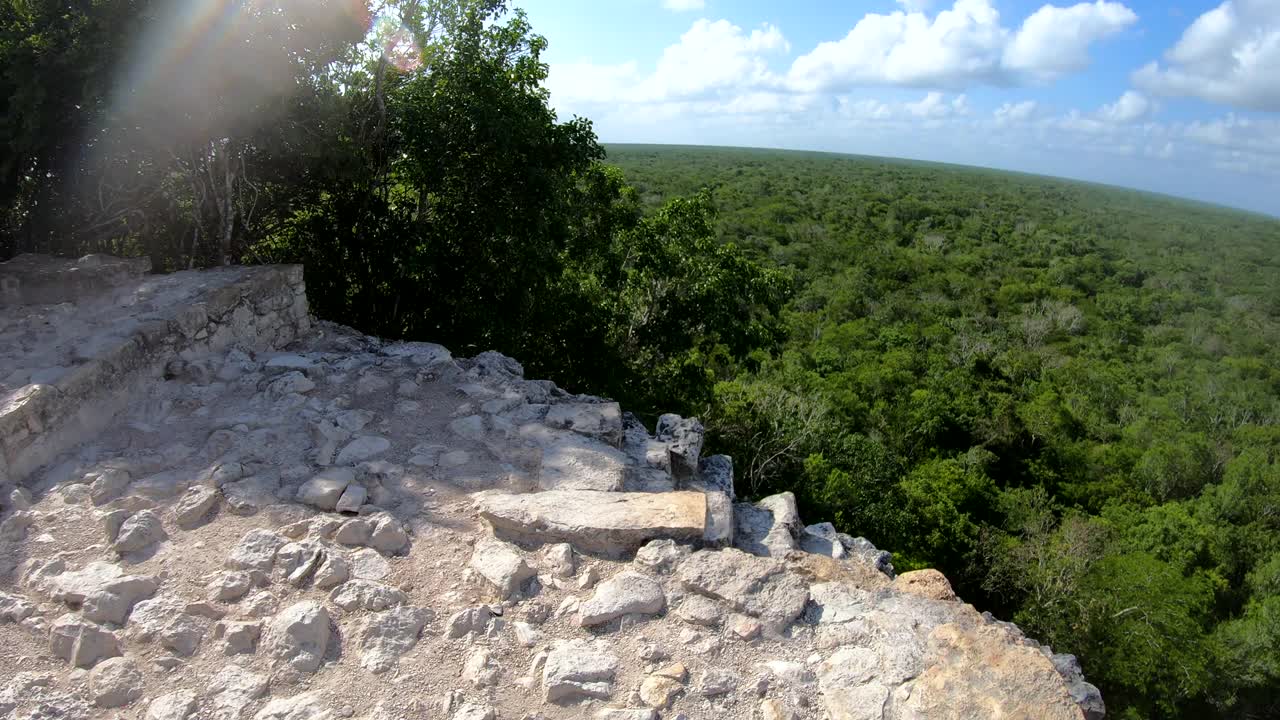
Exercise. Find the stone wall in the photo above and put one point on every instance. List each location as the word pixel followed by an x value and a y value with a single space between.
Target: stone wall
pixel 62 396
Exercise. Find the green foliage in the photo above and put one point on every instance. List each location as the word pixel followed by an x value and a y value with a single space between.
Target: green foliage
pixel 1064 396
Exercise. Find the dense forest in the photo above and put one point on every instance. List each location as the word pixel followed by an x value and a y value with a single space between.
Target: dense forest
pixel 1066 397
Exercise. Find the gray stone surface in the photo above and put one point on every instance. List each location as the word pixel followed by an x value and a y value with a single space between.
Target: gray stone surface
pixel 502 564
pixel 385 636
pixel 578 668
pixel 299 636
pixel 627 593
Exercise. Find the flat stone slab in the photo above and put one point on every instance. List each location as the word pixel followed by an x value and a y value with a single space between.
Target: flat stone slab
pixel 608 523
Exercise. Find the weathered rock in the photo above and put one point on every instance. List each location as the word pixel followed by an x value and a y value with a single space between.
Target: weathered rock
pixel 385 636
pixel 769 528
pixel 716 682
pixel 626 593
pixel 81 643
pixel 163 619
pixel 662 556
pixel 627 714
pixel 107 484
pixel 469 620
pixel 526 636
pixel 578 668
pixel 481 669
pixel 363 448
pixel 102 591
pixel 501 564
pixel 307 706
pixel 367 564
pixel 602 421
pixel 139 532
pixel 612 524
pixel 255 551
pixel 1083 693
pixel 14 608
pixel 177 705
pixel 299 636
pixel 985 671
pixel 115 682
pixel 701 610
pixel 325 489
pixel 715 474
pixel 759 587
pixel 238 637
pixel 229 586
pixel 333 571
pixel 925 583
pixel 388 535
pixel 474 711
pixel 772 709
pixel 195 505
pixel 352 498
pixel 684 439
pixel 355 532
pixel 291 382
pixel 658 691
pixel 558 560
pixel 366 595
pixel 231 690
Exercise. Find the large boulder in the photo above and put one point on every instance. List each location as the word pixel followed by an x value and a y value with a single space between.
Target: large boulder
pixel 81 643
pixel 612 524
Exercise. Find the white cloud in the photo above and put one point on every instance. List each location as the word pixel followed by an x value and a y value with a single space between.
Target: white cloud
pixel 963 46
pixel 915 5
pixel 1014 113
pixel 1055 41
pixel 1229 55
pixel 1130 107
pixel 684 5
pixel 713 56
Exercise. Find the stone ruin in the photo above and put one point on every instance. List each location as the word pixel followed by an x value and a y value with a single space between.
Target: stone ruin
pixel 217 508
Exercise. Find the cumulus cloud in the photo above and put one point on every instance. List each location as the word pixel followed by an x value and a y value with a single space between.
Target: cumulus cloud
pixel 1229 55
pixel 935 106
pixel 1012 113
pixel 684 5
pixel 713 62
pixel 960 47
pixel 1055 41
pixel 1130 107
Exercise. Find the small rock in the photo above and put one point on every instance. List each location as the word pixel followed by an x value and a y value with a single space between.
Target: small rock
pixel 368 564
pixel 474 711
pixel 578 667
pixel 661 556
pixel 352 498
pixel 333 570
pixel 363 448
pixel 468 620
pixel 366 595
pixel 325 489
pixel 745 628
pixel 627 714
pixel 139 532
pixel 525 634
pixel 659 692
pixel 481 670
pixel 81 643
pixel 718 682
pixel 256 551
pixel 195 505
pixel 355 532
pixel 299 636
pixel 626 593
pixel 589 578
pixel 229 586
pixel 927 583
pixel 307 706
pixel 238 637
pixel 388 535
pixel 700 610
pixel 231 690
pixel 557 559
pixel 775 710
pixel 501 564
pixel 385 636
pixel 178 705
pixel 115 682
pixel 14 608
pixel 107 485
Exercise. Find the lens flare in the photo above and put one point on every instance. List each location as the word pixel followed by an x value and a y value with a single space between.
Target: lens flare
pixel 397 43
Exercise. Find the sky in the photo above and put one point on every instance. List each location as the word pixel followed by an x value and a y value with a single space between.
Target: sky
pixel 1180 98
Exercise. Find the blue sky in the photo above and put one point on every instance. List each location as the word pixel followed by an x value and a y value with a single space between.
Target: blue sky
pixel 1181 98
